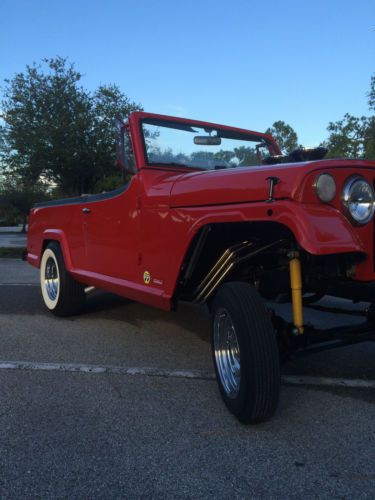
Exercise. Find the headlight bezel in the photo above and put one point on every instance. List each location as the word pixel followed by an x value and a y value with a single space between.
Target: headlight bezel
pixel 346 199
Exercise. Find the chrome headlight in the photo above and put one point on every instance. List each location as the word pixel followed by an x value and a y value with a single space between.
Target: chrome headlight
pixel 358 198
pixel 325 186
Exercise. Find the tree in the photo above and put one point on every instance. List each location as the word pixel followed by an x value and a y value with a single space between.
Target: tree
pixel 55 128
pixel 371 94
pixel 246 155
pixel 46 118
pixel 370 132
pixel 21 195
pixel 109 105
pixel 285 136
pixel 353 137
pixel 347 137
pixel 369 139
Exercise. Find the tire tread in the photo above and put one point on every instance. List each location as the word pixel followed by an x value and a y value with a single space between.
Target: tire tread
pixel 263 369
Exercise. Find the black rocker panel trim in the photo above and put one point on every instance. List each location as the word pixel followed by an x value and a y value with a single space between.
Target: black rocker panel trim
pixel 86 198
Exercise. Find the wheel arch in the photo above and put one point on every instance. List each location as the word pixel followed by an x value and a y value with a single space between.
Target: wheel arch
pixel 211 239
pixel 58 236
pixel 317 229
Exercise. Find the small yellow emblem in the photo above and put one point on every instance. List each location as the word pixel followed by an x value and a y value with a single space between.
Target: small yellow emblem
pixel 146 277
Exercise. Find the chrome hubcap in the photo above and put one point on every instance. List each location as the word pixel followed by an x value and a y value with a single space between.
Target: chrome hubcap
pixel 227 352
pixel 51 279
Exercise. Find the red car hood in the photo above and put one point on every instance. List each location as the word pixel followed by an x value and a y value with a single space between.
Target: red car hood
pixel 237 185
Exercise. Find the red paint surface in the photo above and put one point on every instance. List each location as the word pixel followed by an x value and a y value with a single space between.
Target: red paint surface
pixel 150 226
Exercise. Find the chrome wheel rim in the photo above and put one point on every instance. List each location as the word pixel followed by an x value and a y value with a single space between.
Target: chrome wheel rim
pixel 51 279
pixel 227 352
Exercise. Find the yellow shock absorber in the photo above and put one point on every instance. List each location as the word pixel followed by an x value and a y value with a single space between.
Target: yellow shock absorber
pixel 296 286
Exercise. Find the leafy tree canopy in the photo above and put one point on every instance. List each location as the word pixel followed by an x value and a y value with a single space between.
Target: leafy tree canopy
pixel 20 194
pixel 346 137
pixel 55 128
pixel 371 94
pixel 285 136
pixel 354 137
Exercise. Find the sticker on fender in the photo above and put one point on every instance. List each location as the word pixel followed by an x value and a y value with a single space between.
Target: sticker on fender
pixel 146 277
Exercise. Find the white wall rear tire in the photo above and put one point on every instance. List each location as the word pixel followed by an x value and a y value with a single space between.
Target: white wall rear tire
pixel 62 294
pixel 50 284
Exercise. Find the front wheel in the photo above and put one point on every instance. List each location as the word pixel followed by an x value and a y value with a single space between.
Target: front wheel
pixel 61 293
pixel 245 353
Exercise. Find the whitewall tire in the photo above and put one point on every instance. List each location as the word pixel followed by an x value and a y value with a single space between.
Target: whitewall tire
pixel 50 279
pixel 61 293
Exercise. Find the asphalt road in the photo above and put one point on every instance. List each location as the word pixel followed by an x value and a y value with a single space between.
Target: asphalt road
pixel 67 434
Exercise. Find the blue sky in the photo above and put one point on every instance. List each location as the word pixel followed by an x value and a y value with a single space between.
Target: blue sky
pixel 236 62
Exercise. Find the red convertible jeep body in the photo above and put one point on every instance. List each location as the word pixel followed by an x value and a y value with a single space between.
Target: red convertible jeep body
pixel 215 215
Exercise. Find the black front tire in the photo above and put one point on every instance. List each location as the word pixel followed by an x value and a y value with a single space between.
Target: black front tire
pixel 245 353
pixel 61 293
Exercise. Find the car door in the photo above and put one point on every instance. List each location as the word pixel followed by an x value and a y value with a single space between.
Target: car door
pixel 111 231
pixel 111 222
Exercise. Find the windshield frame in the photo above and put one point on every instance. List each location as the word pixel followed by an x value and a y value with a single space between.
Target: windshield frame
pixel 154 120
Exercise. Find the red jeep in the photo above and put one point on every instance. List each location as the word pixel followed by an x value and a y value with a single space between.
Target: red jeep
pixel 215 215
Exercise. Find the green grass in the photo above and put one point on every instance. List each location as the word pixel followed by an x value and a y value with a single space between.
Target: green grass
pixel 12 253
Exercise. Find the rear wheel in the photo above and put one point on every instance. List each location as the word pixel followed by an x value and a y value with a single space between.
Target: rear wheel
pixel 245 353
pixel 61 293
